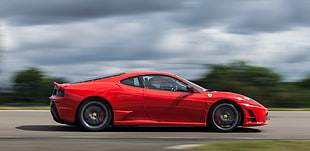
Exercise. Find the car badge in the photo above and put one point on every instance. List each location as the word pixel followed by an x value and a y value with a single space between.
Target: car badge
pixel 209 95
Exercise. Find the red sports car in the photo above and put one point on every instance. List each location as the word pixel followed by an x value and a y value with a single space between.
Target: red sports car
pixel 152 98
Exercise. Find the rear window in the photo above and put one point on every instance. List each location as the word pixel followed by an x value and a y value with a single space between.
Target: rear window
pixel 133 81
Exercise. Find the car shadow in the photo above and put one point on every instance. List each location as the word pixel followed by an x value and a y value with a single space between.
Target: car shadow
pixel 66 128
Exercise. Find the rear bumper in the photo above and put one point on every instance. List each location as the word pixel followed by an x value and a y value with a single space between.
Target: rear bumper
pixel 62 110
pixel 254 115
pixel 55 114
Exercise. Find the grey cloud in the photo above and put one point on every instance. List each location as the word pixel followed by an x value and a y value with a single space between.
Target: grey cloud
pixel 204 13
pixel 239 16
pixel 31 12
pixel 105 41
pixel 89 55
pixel 298 11
pixel 299 56
pixel 246 17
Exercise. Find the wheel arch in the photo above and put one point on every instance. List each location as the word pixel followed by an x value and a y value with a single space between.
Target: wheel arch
pixel 99 99
pixel 226 101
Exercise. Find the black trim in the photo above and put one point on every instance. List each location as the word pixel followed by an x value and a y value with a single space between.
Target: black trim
pixel 104 77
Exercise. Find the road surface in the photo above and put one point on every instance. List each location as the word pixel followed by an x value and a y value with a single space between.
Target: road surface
pixel 36 131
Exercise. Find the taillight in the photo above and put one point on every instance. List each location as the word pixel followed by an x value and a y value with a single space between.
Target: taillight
pixel 58 92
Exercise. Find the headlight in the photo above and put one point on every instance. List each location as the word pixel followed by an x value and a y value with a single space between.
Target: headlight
pixel 251 99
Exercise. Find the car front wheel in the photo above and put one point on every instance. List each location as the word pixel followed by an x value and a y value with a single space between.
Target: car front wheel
pixel 94 115
pixel 225 117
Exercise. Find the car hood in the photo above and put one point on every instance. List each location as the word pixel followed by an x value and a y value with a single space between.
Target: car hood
pixel 216 94
pixel 239 98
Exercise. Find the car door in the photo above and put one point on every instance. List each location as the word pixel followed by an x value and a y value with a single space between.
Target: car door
pixel 168 100
pixel 130 100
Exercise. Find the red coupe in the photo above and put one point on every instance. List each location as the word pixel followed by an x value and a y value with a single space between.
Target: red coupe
pixel 152 98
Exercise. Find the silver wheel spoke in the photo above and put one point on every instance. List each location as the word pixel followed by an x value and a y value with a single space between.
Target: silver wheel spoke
pixel 225 117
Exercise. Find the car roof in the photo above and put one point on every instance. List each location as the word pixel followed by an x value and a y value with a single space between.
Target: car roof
pixel 124 75
pixel 137 73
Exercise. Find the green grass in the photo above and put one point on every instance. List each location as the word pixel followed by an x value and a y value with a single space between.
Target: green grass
pixel 24 108
pixel 289 109
pixel 266 145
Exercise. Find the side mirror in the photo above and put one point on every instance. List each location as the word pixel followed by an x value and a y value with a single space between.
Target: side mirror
pixel 190 88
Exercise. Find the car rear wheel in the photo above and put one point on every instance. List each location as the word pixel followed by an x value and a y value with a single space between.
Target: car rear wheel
pixel 225 117
pixel 94 115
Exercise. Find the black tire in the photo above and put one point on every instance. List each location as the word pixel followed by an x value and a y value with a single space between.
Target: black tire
pixel 94 115
pixel 224 117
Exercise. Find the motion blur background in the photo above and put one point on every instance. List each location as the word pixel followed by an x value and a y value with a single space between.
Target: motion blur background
pixel 257 48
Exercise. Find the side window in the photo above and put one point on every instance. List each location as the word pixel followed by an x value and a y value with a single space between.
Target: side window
pixel 134 81
pixel 165 83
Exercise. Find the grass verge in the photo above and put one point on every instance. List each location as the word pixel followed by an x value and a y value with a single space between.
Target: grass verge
pixel 289 109
pixel 25 108
pixel 265 145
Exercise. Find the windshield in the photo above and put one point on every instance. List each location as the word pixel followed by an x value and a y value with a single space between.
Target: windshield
pixel 194 84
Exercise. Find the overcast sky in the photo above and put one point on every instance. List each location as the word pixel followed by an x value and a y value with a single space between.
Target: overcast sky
pixel 79 39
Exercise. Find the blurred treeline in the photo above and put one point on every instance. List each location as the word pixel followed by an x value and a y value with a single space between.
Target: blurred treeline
pixel 32 87
pixel 259 83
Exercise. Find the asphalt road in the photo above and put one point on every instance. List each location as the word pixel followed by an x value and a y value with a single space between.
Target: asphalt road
pixel 36 131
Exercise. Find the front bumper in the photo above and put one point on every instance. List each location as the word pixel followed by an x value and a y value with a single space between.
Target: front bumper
pixel 254 115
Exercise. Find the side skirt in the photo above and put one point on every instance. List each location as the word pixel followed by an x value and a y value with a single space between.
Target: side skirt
pixel 150 122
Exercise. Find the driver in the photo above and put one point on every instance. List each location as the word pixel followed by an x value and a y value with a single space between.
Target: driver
pixel 156 82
